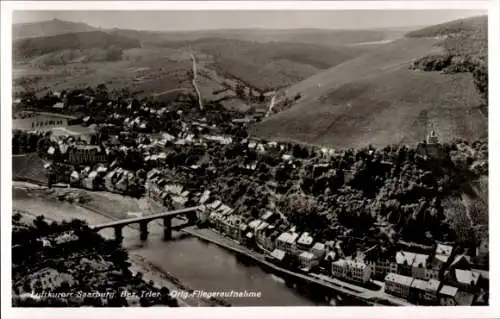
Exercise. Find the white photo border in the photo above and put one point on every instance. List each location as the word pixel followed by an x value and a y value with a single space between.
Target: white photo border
pixel 8 7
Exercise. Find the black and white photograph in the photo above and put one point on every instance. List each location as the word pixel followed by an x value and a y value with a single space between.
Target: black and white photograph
pixel 247 158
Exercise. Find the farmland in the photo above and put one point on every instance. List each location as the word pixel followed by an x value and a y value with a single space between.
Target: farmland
pixel 267 66
pixel 375 99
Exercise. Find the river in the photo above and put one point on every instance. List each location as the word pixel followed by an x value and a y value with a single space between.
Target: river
pixel 197 264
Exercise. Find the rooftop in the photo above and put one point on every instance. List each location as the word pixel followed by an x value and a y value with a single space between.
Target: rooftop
pixel 356 264
pixel 448 291
pixel 254 223
pixel 305 239
pixel 464 298
pixel 442 249
pixel 404 256
pixel 278 254
pixel 419 284
pixel 420 260
pixel 466 277
pixel 404 280
pixel 461 259
pixel 261 226
pixel 267 215
pixel 288 237
pixel 215 204
pixel 307 255
pixel 340 262
pixel 319 246
pixel 433 285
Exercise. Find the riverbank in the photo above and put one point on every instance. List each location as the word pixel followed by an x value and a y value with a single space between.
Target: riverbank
pixel 361 294
pixel 37 204
pixel 104 207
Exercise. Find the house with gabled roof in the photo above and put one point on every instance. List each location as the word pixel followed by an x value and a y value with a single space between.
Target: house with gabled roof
pixel 417 290
pixel 466 280
pixel 398 285
pixel 461 261
pixel 452 296
pixel 432 290
pixel 420 266
pixel 405 260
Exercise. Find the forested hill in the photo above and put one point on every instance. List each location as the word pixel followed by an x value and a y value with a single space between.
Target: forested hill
pixel 31 47
pixel 48 28
pixel 475 24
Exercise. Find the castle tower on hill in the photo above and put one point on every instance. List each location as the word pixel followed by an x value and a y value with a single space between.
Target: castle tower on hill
pixel 431 147
pixel 432 138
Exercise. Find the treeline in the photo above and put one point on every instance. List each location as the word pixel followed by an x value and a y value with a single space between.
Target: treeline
pixel 25 142
pixel 347 195
pixel 69 257
pixel 465 47
pixel 31 47
pixel 112 53
pixel 452 27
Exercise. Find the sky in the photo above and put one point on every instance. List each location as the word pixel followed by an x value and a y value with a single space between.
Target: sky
pixel 209 20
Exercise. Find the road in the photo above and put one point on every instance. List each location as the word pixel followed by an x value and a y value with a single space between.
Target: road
pixel 61 115
pixel 195 77
pixel 332 283
pixel 170 91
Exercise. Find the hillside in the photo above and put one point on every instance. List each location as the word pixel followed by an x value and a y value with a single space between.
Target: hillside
pixel 266 66
pixel 48 28
pixel 375 99
pixel 32 47
pixel 474 24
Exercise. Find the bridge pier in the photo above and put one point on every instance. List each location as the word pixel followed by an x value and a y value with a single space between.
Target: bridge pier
pixel 192 217
pixel 167 228
pixel 118 233
pixel 144 230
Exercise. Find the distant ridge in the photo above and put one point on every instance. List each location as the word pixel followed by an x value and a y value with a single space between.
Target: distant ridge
pixel 48 28
pixel 473 24
pixel 32 47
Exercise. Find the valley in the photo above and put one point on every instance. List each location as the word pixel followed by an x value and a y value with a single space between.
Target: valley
pixel 354 159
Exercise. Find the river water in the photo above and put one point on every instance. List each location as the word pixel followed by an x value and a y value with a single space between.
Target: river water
pixel 197 264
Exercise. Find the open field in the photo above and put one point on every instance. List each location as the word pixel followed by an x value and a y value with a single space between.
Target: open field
pixel 29 166
pixel 375 99
pixel 269 65
pixel 139 71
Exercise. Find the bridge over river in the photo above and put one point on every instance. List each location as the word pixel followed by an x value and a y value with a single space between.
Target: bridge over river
pixel 143 221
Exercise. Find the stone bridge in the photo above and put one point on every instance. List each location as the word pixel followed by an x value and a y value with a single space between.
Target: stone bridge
pixel 117 225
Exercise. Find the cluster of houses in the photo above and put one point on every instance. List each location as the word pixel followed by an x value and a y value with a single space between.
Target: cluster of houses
pixel 100 177
pixel 282 244
pixel 72 152
pixel 167 194
pixel 442 278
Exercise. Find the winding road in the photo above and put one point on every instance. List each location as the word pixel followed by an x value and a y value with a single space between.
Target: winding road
pixel 195 76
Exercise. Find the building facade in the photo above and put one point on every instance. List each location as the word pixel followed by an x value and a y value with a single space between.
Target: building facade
pixel 398 285
pixel 86 154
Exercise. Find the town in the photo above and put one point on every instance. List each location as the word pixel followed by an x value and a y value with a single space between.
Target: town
pixel 374 218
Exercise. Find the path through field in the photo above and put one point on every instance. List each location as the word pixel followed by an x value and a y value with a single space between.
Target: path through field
pixel 195 75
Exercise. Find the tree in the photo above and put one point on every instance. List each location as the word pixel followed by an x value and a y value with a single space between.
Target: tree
pixel 114 53
pixel 240 90
pixel 480 74
pixel 262 97
pixel 102 91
